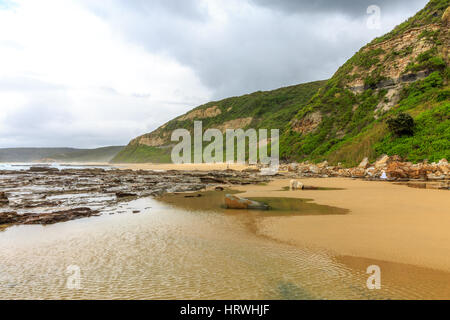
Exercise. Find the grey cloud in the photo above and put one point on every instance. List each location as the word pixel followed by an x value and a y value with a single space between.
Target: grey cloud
pixel 50 124
pixel 263 48
pixel 52 118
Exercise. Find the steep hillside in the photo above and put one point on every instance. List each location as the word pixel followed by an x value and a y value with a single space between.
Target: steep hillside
pixel 345 119
pixel 104 154
pixel 268 109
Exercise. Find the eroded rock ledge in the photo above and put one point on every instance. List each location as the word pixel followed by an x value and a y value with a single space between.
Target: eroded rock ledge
pixel 45 195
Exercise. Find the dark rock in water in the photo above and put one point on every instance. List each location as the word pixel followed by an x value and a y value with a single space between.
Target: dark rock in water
pixel 43 169
pixel 210 179
pixel 219 188
pixel 3 199
pixel 125 194
pixel 234 202
pixel 45 218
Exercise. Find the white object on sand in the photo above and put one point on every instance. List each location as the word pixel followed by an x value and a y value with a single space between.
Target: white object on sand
pixel 295 185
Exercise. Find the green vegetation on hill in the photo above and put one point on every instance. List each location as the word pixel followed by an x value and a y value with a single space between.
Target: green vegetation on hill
pixel 345 118
pixel 267 109
pixel 104 154
pixel 137 153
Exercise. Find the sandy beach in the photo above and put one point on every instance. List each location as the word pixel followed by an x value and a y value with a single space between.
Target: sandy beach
pixel 386 222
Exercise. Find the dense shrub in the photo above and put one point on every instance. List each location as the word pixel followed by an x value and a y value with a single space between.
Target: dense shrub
pixel 402 124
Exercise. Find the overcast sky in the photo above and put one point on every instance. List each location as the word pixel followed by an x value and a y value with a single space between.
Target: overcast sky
pixel 91 73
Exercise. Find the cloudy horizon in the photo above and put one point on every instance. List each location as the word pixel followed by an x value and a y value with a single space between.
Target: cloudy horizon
pixel 90 73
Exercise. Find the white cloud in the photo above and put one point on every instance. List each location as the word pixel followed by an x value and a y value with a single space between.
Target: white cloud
pixel 56 55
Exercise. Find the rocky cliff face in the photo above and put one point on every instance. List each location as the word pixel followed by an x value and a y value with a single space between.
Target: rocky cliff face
pixel 395 54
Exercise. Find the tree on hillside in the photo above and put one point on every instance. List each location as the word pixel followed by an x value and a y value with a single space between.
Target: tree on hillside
pixel 401 125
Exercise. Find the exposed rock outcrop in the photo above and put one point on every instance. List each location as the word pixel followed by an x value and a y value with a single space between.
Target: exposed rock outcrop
pixel 239 123
pixel 202 113
pixel 364 163
pixel 409 45
pixel 308 124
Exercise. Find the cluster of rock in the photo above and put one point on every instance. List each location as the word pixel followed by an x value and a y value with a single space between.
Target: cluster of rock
pixel 386 167
pixel 46 195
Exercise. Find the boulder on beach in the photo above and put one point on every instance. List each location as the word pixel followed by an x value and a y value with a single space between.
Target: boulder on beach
pixel 382 161
pixel 292 167
pixel 364 163
pixel 323 164
pixel 270 171
pixel 234 202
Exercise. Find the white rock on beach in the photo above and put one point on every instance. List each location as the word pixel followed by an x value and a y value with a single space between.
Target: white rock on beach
pixel 295 185
pixel 364 164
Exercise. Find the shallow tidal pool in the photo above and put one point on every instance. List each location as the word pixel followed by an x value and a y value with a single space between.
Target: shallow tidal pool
pixel 173 249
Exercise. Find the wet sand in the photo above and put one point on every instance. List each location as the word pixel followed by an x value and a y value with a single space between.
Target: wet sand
pixel 387 222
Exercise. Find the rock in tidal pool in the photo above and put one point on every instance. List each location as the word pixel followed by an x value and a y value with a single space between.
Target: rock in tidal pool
pixel 125 194
pixel 46 218
pixel 234 202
